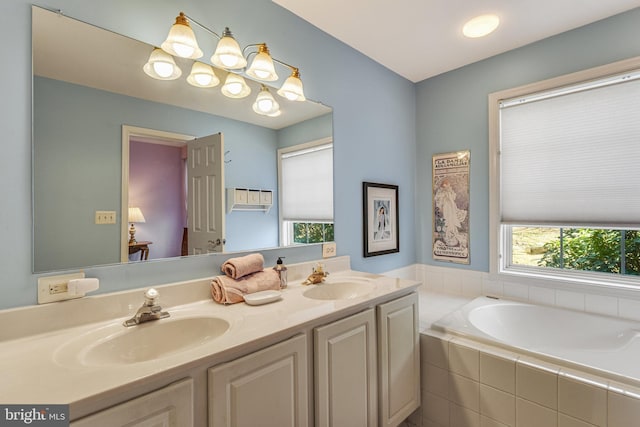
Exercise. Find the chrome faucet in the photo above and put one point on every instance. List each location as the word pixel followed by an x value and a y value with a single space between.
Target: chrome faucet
pixel 150 310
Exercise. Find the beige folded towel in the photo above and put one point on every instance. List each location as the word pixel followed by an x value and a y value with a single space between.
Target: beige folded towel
pixel 241 266
pixel 226 290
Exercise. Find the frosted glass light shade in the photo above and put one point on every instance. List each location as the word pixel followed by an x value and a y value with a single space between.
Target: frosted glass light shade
pixel 202 75
pixel 235 86
pixel 292 88
pixel 228 54
pixel 161 66
pixel 181 40
pixel 265 104
pixel 262 65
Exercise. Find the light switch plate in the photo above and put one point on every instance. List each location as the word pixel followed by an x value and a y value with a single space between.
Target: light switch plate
pixel 328 249
pixel 54 288
pixel 105 217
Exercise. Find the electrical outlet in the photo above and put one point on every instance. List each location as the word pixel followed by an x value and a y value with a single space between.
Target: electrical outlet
pixel 328 249
pixel 105 217
pixel 55 288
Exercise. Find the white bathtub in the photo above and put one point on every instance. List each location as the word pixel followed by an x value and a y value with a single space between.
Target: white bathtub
pixel 603 345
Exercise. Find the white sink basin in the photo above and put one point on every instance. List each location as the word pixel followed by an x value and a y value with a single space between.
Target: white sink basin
pixel 339 290
pixel 116 344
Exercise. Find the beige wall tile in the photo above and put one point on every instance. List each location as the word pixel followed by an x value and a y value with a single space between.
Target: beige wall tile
pixel 498 372
pixel 567 421
pixel 537 385
pixel 497 405
pixel 435 351
pixel 582 400
pixel 464 361
pixel 429 423
pixel 529 414
pixel 463 417
pixel 488 422
pixel 435 380
pixel 623 411
pixel 464 391
pixel 435 409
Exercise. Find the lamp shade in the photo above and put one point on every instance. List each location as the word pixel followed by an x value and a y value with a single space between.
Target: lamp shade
pixel 292 87
pixel 181 40
pixel 161 66
pixel 265 104
pixel 135 215
pixel 235 86
pixel 228 54
pixel 202 75
pixel 262 65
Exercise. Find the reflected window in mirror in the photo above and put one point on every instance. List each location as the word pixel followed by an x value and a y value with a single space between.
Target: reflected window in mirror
pixel 306 192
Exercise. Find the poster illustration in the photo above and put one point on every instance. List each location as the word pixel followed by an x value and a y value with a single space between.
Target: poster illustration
pixel 451 207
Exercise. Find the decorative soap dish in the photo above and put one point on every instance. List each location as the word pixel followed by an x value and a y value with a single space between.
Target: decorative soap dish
pixel 262 297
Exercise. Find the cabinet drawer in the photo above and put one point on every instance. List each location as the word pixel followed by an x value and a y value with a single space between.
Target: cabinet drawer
pixel 266 197
pixel 241 197
pixel 254 197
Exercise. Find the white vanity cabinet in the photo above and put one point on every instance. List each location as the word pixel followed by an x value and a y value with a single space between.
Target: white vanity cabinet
pixel 399 359
pixel 265 388
pixel 345 372
pixel 171 406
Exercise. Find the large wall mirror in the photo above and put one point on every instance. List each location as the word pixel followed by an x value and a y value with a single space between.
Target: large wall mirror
pixel 106 137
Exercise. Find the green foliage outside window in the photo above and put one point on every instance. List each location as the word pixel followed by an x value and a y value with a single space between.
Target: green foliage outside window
pixel 312 232
pixel 598 250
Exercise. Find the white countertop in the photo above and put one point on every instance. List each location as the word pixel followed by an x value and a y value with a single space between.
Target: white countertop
pixel 40 368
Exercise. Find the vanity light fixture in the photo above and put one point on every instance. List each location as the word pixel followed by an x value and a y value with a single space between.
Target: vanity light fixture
pixel 481 26
pixel 202 75
pixel 265 104
pixel 235 86
pixel 135 215
pixel 181 40
pixel 292 87
pixel 228 54
pixel 262 67
pixel 161 66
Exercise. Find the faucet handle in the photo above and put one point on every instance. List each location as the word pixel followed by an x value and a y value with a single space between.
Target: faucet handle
pixel 150 296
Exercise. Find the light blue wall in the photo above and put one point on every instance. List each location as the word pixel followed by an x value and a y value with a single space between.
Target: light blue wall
pixel 374 130
pixel 452 112
pixel 307 131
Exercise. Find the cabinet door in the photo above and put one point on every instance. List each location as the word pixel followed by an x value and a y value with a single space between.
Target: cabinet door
pixel 171 406
pixel 265 388
pixel 399 364
pixel 346 371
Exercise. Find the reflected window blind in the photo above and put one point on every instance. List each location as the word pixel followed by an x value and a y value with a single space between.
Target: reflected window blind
pixel 572 158
pixel 307 184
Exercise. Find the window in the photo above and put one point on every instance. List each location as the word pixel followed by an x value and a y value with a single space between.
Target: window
pixel 306 193
pixel 565 191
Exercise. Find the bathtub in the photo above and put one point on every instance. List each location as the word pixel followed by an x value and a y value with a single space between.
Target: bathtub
pixel 602 345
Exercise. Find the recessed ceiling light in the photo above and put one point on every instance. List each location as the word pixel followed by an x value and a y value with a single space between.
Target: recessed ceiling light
pixel 480 26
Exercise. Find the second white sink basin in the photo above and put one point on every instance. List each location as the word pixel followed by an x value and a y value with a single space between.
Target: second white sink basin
pixel 118 345
pixel 339 290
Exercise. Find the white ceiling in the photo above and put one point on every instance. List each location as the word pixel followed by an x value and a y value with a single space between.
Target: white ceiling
pixel 419 39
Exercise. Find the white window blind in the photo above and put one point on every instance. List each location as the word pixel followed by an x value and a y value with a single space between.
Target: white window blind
pixel 572 158
pixel 307 184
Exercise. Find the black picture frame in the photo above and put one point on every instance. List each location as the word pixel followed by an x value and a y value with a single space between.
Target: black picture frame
pixel 380 219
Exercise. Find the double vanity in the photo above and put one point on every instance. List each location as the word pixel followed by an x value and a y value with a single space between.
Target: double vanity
pixel 344 352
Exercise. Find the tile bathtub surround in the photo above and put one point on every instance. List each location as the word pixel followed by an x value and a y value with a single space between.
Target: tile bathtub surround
pixel 459 283
pixel 467 384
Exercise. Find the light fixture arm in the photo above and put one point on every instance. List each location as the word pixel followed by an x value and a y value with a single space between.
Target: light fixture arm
pixel 202 26
pixel 248 55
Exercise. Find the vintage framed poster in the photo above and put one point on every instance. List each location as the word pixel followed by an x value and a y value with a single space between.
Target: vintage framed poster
pixel 380 219
pixel 451 207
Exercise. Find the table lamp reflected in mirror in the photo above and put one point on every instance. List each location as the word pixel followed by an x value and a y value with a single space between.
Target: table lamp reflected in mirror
pixel 135 215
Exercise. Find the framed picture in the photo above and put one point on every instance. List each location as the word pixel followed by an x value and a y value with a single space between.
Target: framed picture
pixel 380 219
pixel 451 207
